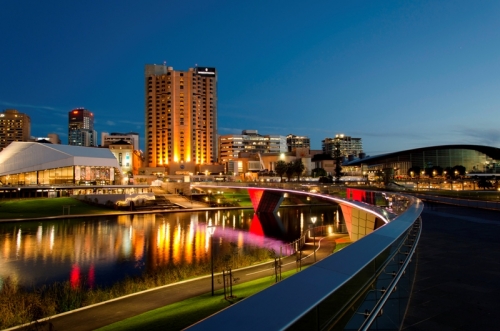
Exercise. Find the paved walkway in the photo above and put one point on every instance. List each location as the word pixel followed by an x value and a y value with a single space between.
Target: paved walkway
pixel 457 285
pixel 96 316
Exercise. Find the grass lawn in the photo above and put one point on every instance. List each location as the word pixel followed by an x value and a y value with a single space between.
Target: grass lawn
pixel 339 246
pixel 180 315
pixel 43 207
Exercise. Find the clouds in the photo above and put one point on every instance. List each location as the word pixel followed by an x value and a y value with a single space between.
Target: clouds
pixel 24 106
pixel 479 135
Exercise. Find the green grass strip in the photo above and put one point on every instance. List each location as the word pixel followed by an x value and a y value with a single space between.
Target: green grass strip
pixel 339 246
pixel 180 315
pixel 45 207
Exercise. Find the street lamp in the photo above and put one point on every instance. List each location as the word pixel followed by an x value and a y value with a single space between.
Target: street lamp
pixel 211 231
pixel 313 220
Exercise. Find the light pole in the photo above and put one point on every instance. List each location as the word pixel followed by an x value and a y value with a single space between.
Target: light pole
pixel 313 220
pixel 211 231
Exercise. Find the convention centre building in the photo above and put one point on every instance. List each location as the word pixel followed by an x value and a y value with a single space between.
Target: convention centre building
pixel 476 159
pixel 34 169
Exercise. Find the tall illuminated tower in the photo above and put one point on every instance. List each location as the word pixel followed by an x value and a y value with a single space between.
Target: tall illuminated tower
pixel 180 117
pixel 81 128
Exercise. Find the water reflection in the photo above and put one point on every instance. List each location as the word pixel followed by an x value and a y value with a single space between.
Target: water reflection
pixel 102 250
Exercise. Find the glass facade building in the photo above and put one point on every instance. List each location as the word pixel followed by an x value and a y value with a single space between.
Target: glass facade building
pixel 475 159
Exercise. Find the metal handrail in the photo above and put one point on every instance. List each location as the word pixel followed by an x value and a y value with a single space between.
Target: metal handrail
pixel 380 304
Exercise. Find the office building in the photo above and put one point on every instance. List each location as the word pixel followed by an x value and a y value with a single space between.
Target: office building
pixel 81 128
pixel 349 147
pixel 113 137
pixel 14 126
pixel 249 141
pixel 180 117
pixel 293 142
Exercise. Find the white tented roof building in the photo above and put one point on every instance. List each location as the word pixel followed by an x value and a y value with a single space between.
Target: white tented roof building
pixel 33 163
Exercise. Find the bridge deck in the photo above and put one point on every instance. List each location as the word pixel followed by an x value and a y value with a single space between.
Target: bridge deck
pixel 457 284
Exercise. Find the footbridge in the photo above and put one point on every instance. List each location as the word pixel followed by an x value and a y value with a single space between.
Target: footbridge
pixel 361 216
pixel 365 286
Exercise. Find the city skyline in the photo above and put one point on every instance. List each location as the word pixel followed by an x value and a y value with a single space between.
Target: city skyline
pixel 398 75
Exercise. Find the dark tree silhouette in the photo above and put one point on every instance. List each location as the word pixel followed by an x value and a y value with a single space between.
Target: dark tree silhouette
pixel 319 172
pixel 415 170
pixel 290 171
pixel 337 157
pixel 280 168
pixel 298 168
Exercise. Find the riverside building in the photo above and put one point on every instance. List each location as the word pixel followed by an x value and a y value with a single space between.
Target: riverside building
pixel 249 141
pixel 181 118
pixel 349 146
pixel 113 137
pixel 293 142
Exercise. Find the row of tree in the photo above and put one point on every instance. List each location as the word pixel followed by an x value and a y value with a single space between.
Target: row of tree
pixel 289 169
pixel 437 171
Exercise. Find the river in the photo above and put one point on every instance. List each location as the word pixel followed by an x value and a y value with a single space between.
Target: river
pixel 102 250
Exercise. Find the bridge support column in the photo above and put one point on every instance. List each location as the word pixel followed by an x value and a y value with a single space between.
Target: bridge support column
pixel 265 201
pixel 359 222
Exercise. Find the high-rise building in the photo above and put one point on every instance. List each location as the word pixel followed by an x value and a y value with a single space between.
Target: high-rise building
pixel 293 142
pixel 14 126
pixel 81 128
pixel 249 141
pixel 180 117
pixel 348 146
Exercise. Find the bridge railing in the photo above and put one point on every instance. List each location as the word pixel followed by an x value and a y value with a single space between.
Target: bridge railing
pixel 323 230
pixel 364 286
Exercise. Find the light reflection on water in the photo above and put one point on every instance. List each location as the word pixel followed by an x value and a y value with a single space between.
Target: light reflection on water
pixel 101 250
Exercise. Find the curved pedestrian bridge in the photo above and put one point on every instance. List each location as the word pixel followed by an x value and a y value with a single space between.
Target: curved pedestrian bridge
pixel 364 286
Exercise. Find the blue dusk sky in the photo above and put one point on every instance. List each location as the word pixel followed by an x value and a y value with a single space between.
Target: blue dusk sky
pixel 398 74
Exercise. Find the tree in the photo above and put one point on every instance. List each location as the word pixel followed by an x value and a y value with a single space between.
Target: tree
pixel 387 175
pixel 414 171
pixel 290 170
pixel 319 172
pixel 484 184
pixel 325 180
pixel 337 157
pixel 280 169
pixel 298 168
pixel 459 170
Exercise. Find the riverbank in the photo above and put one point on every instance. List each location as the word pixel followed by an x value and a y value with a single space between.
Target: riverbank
pixel 106 313
pixel 19 210
pixel 19 305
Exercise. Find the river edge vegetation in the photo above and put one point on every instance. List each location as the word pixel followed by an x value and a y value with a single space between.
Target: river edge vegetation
pixel 47 207
pixel 180 315
pixel 20 305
